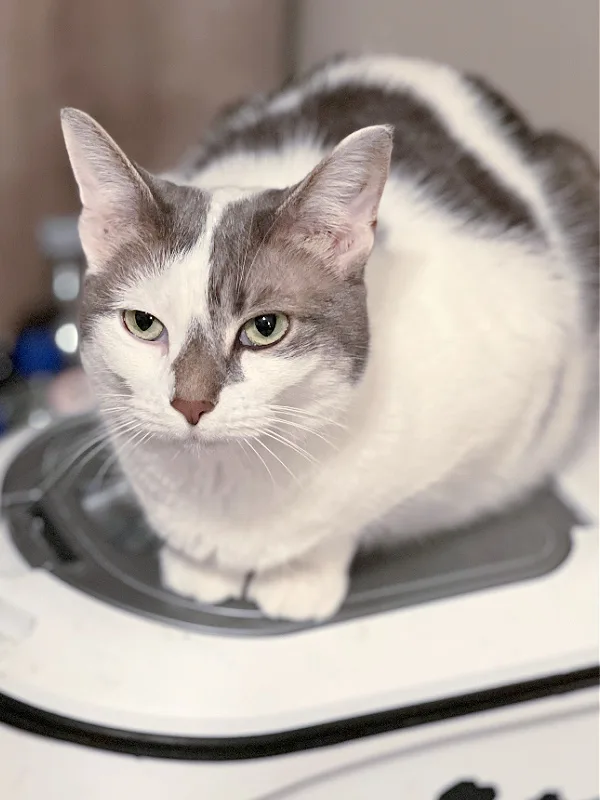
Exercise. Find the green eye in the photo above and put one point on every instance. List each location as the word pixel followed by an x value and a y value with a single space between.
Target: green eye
pixel 264 330
pixel 143 325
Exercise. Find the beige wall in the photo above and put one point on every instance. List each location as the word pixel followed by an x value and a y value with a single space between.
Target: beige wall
pixel 153 73
pixel 542 52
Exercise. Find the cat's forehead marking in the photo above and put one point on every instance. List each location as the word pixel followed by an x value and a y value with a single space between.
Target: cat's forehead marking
pixel 184 288
pixel 255 265
pixel 168 233
pixel 257 258
pixel 235 278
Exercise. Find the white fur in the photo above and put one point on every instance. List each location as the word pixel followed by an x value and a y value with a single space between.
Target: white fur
pixel 472 341
pixel 262 170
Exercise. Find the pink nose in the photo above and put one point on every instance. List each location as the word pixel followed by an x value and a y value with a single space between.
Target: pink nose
pixel 192 410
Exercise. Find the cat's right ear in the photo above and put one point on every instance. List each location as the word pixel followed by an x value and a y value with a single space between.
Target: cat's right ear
pixel 333 211
pixel 114 196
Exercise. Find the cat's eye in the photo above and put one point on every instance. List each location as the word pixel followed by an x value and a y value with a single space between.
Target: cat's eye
pixel 264 330
pixel 143 325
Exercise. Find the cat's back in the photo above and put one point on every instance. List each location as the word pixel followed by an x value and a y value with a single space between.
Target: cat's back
pixel 464 159
pixel 457 143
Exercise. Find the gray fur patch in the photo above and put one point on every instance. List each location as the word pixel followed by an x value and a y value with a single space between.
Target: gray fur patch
pixel 258 266
pixel 199 372
pixel 166 229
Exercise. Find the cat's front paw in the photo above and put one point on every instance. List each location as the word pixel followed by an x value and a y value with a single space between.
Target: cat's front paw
pixel 204 582
pixel 299 593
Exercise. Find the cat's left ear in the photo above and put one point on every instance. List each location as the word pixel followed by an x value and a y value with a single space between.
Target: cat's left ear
pixel 115 198
pixel 335 208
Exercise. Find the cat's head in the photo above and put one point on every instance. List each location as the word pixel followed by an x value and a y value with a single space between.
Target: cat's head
pixel 208 316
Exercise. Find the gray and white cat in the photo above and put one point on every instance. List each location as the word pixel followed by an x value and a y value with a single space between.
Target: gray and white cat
pixel 281 380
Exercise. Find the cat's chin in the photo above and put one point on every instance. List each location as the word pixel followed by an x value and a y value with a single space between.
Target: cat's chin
pixel 197 441
pixel 197 444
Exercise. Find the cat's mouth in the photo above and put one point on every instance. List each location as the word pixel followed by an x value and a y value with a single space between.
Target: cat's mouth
pixel 202 435
pixel 198 438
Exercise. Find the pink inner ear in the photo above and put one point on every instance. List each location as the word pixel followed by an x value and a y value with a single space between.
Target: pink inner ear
pixel 334 210
pixel 355 244
pixel 102 233
pixel 357 235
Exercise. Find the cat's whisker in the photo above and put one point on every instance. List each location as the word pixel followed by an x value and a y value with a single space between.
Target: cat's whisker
pixel 334 407
pixel 136 435
pixel 123 414
pixel 91 438
pixel 108 462
pixel 300 423
pixel 123 427
pixel 258 455
pixel 137 444
pixel 72 458
pixel 290 410
pixel 103 436
pixel 99 438
pixel 276 457
pixel 279 437
pixel 127 412
pixel 112 458
pixel 241 443
pixel 292 443
pixel 133 430
pixel 306 429
pixel 98 479
pixel 85 459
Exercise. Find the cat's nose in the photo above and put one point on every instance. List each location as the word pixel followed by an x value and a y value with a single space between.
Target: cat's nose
pixel 192 410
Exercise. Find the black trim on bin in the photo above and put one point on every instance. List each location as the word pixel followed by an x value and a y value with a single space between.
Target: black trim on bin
pixel 44 723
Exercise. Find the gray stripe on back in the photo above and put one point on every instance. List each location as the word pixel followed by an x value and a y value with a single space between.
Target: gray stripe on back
pixel 424 150
pixel 571 178
pixel 511 121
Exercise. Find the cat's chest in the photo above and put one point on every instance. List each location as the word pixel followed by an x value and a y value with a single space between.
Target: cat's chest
pixel 206 513
pixel 208 489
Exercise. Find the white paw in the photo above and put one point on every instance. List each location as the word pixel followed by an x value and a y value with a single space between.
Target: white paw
pixel 203 582
pixel 299 593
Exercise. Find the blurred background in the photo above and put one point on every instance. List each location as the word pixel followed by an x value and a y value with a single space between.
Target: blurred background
pixel 154 73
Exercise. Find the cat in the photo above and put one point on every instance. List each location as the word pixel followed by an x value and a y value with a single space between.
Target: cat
pixel 366 308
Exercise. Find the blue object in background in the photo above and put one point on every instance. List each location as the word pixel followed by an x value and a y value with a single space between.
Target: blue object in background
pixel 36 352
